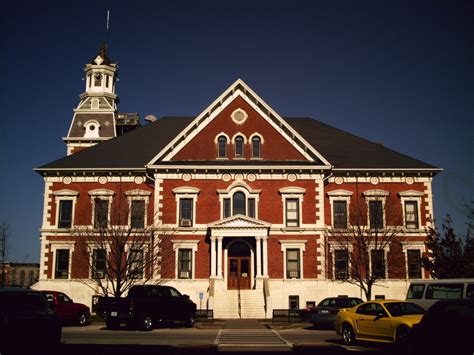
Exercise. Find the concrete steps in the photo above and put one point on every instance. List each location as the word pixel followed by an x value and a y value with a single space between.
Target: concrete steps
pixel 226 304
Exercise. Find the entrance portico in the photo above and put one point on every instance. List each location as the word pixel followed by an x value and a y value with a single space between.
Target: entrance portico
pixel 229 260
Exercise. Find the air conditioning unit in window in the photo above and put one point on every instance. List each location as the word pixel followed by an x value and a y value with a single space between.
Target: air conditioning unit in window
pixel 294 274
pixel 99 274
pixel 184 274
pixel 185 223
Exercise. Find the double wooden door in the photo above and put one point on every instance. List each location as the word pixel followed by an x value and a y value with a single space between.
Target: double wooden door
pixel 238 276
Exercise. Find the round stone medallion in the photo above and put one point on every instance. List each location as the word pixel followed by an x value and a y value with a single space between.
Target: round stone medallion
pixel 139 180
pixel 291 177
pixel 187 177
pixel 226 177
pixel 251 177
pixel 67 180
pixel 339 180
pixel 102 180
pixel 410 180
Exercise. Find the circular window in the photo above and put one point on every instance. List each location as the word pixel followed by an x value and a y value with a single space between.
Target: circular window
pixel 239 116
pixel 91 127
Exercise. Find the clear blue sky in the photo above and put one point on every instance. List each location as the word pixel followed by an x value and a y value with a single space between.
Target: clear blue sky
pixel 398 72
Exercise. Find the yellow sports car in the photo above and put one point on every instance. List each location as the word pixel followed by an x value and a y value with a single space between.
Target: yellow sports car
pixel 379 320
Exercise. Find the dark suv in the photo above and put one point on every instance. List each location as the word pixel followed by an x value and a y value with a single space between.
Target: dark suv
pixel 324 314
pixel 25 314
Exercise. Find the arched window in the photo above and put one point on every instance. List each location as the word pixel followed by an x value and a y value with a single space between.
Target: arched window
pixel 239 147
pixel 238 203
pixel 256 147
pixel 222 147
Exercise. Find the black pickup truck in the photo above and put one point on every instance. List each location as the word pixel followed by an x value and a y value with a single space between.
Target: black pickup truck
pixel 147 306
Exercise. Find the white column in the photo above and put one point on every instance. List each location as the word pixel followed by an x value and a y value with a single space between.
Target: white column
pixel 265 256
pixel 219 257
pixel 213 256
pixel 259 255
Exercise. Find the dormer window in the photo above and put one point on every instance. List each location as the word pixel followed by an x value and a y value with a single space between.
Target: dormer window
pixel 92 129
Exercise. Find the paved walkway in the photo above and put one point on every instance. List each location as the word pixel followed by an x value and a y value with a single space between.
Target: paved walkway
pixel 249 335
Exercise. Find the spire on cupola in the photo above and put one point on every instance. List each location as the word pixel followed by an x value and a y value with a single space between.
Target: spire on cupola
pixel 96 118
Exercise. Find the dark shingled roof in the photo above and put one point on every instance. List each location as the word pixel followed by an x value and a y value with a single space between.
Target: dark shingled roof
pixel 345 150
pixel 138 147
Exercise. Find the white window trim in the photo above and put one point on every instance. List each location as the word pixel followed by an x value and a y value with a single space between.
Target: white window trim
pixel 65 195
pixel 340 195
pixel 413 246
pixel 412 196
pixel 238 187
pixel 332 249
pixel 293 244
pixel 293 192
pixel 256 134
pixel 95 133
pixel 376 195
pixel 216 141
pixel 385 249
pixel 244 143
pixel 102 194
pixel 239 134
pixel 185 244
pixel 144 249
pixel 62 245
pixel 138 195
pixel 182 193
pixel 91 246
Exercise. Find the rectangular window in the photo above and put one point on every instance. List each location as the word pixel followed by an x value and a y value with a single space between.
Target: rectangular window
pixel 340 214
pixel 411 215
pixel 185 212
pixel 65 214
pixel 376 214
pixel 135 264
pixel 185 263
pixel 444 291
pixel 292 263
pixel 226 207
pixel 294 302
pixel 99 263
pixel 415 291
pixel 378 263
pixel 292 212
pixel 414 264
pixel 62 264
pixel 251 203
pixel 101 213
pixel 341 264
pixel 137 214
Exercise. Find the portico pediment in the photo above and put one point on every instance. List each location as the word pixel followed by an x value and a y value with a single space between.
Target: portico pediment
pixel 239 226
pixel 239 222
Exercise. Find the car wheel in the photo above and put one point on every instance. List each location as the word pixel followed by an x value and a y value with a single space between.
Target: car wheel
pixel 190 320
pixel 145 323
pixel 82 319
pixel 401 334
pixel 348 335
pixel 112 324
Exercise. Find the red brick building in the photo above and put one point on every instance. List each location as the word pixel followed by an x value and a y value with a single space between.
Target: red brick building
pixel 251 198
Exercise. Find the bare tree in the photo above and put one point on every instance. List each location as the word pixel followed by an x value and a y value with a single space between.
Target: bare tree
pixel 5 235
pixel 120 251
pixel 362 244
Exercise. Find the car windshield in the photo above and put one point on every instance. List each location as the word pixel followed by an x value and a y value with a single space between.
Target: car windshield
pixel 341 302
pixel 397 309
